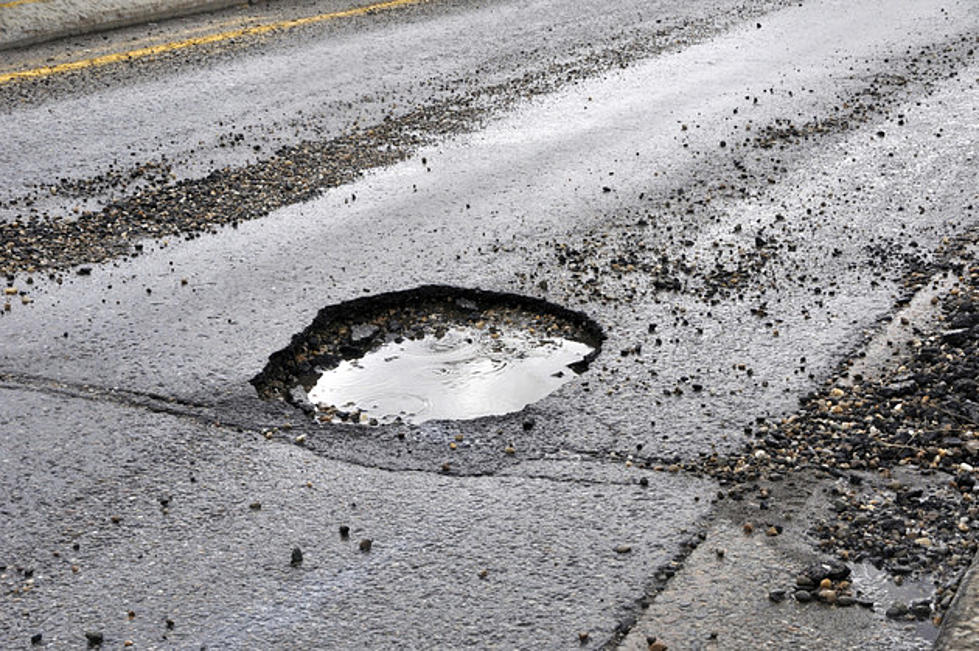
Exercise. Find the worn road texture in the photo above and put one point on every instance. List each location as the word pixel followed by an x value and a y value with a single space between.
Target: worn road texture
pixel 769 208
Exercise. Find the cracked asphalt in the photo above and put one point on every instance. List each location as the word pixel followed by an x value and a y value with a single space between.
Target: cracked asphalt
pixel 743 196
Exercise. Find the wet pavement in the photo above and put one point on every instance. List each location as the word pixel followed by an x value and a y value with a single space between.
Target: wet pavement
pixel 738 212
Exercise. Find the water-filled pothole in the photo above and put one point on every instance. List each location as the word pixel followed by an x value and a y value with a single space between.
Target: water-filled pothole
pixel 431 353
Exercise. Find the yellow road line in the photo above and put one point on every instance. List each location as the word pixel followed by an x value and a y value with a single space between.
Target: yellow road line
pixel 14 3
pixel 201 40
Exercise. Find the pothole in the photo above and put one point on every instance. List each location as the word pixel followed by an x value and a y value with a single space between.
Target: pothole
pixel 431 353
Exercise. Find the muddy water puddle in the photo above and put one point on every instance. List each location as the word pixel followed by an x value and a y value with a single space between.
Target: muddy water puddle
pixel 432 353
pixel 463 373
pixel 882 589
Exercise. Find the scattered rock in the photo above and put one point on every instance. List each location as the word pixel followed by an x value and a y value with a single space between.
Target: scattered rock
pixel 921 608
pixel 897 610
pixel 297 557
pixel 828 596
pixel 828 569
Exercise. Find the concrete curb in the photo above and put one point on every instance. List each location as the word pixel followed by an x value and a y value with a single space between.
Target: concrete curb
pixel 37 21
pixel 960 628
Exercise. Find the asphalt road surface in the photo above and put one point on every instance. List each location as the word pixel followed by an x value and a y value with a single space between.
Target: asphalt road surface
pixel 740 194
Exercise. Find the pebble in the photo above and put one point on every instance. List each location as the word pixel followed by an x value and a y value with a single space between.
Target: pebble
pixel 623 549
pixel 803 596
pixel 366 544
pixel 921 609
pixel 344 531
pixel 297 557
pixel 829 596
pixel 827 569
pixel 94 638
pixel 897 610
pixel 776 596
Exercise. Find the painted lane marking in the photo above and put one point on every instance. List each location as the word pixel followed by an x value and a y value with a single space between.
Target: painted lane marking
pixel 14 3
pixel 172 46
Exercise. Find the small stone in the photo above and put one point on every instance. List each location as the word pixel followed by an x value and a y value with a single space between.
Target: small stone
pixel 366 544
pixel 255 506
pixel 170 624
pixel 623 549
pixel 344 531
pixel 803 596
pixel 94 638
pixel 776 596
pixel 128 643
pixel 297 557
pixel 845 601
pixel 720 551
pixel 748 528
pixel 804 581
pixel 772 531
pixel 656 645
pixel 131 615
pixel 897 610
pixel 825 584
pixel 583 636
pixel 828 569
pixel 829 596
pixel 483 574
pixel 509 449
pixel 36 639
pixel 921 609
